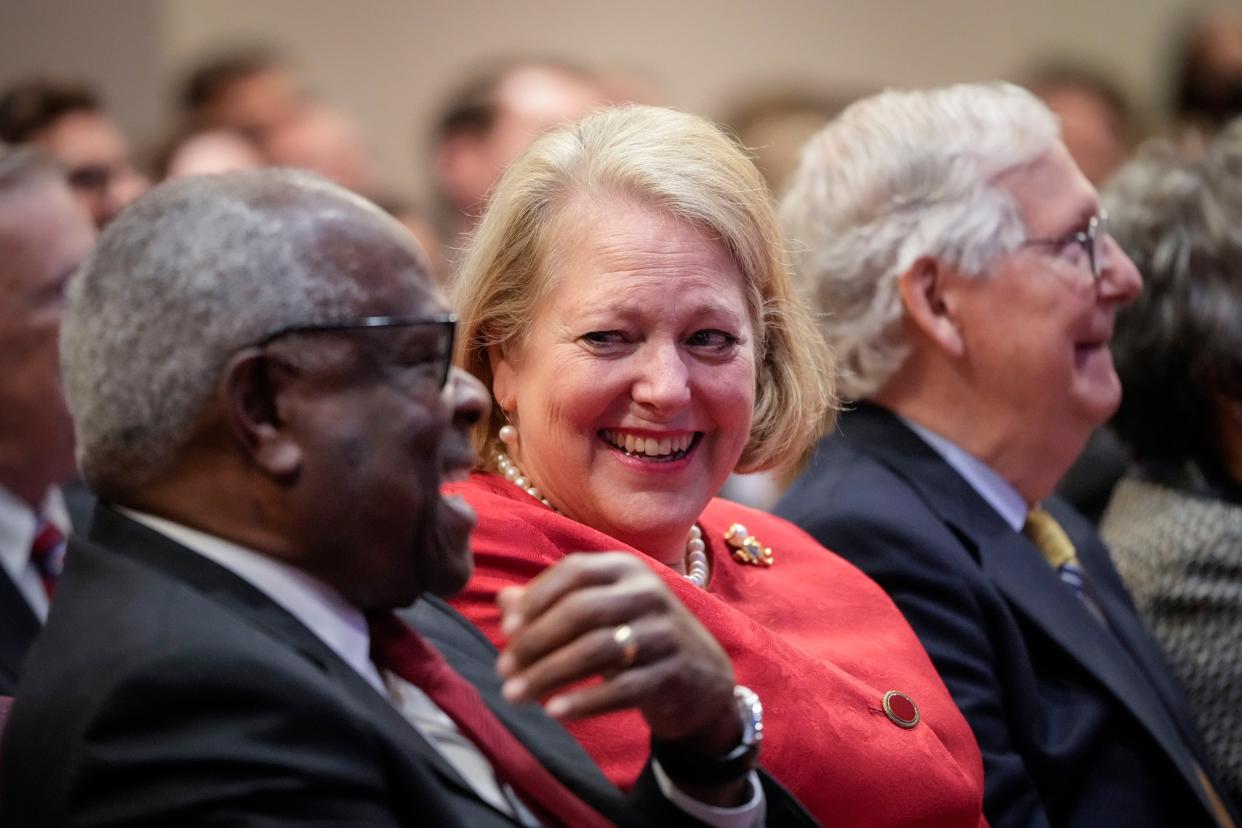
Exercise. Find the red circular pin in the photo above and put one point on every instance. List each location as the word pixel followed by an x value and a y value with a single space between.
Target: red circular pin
pixel 901 709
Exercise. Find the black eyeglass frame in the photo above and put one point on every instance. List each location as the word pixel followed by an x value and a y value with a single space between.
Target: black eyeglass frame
pixel 448 320
pixel 1097 228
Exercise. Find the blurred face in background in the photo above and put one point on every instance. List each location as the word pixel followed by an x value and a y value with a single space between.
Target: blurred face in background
pixel 213 151
pixel 1090 128
pixel 96 159
pixel 44 236
pixel 326 141
pixel 533 101
pixel 1220 60
pixel 530 101
pixel 257 103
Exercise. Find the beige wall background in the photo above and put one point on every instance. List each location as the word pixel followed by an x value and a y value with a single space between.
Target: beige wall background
pixel 390 62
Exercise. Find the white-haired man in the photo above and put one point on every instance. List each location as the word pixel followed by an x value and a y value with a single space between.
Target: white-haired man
pixel 260 373
pixel 44 236
pixel 969 285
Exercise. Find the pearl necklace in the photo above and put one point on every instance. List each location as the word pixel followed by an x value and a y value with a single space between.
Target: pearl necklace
pixel 696 550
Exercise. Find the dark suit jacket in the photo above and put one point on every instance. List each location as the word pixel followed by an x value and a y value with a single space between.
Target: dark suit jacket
pixel 1078 725
pixel 18 623
pixel 18 628
pixel 167 691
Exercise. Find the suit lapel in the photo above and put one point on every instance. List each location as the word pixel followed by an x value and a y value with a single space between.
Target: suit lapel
pixel 472 656
pixel 1008 559
pixel 80 503
pixel 1020 573
pixel 1127 627
pixel 18 627
pixel 133 540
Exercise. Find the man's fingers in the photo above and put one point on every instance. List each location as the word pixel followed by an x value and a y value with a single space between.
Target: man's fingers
pixel 624 690
pixel 609 615
pixel 575 615
pixel 675 703
pixel 605 651
pixel 571 573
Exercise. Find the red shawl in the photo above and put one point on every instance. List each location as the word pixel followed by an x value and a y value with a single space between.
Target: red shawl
pixel 814 637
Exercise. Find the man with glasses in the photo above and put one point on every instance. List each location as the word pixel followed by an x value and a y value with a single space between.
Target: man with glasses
pixel 68 120
pixel 260 371
pixel 969 285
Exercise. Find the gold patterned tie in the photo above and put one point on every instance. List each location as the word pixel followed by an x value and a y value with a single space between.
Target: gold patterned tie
pixel 1051 540
pixel 1058 550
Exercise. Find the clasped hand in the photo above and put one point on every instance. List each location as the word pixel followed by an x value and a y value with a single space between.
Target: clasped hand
pixel 566 626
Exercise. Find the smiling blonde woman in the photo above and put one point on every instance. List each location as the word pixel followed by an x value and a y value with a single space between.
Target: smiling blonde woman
pixel 626 302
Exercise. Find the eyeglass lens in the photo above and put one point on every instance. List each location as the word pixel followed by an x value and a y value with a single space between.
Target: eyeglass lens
pixel 420 355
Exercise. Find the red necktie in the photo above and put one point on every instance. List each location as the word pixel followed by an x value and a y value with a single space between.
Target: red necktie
pixel 44 554
pixel 397 648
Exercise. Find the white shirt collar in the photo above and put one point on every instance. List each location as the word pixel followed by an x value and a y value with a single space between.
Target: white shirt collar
pixel 17 531
pixel 18 524
pixel 319 607
pixel 989 485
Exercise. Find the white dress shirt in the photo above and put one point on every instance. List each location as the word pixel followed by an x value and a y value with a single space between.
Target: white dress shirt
pixel 18 526
pixel 343 628
pixel 989 485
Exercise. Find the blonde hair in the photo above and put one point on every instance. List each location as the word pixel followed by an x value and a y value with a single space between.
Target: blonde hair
pixel 687 166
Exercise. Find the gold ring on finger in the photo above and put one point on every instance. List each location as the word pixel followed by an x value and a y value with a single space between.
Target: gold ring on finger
pixel 624 636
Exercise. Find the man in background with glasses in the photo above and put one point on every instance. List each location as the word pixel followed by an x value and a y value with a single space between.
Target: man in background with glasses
pixel 259 369
pixel 968 283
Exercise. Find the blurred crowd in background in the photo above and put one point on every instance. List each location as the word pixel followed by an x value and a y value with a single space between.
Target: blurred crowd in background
pixel 1170 180
pixel 249 104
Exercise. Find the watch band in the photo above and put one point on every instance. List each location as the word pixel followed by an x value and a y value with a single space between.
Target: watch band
pixel 693 767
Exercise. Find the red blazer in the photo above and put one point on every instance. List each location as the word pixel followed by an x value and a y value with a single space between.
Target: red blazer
pixel 814 637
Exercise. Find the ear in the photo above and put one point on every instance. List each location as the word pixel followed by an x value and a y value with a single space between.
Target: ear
pixel 929 296
pixel 250 396
pixel 504 378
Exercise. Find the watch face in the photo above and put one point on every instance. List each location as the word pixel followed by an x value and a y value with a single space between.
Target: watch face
pixel 751 710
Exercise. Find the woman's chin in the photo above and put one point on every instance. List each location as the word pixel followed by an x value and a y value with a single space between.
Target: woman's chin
pixel 656 528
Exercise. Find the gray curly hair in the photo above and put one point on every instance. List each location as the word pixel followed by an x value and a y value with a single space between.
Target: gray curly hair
pixel 184 277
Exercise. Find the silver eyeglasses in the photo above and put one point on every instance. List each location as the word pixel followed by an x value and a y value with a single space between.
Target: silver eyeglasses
pixel 1097 228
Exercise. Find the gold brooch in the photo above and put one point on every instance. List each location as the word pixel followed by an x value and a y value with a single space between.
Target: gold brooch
pixel 746 548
